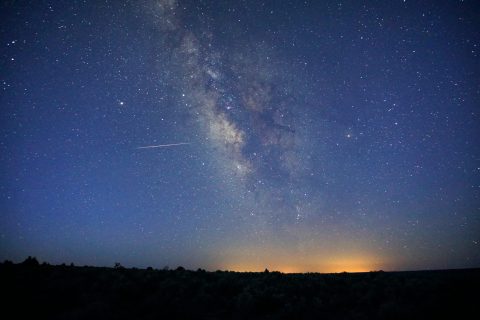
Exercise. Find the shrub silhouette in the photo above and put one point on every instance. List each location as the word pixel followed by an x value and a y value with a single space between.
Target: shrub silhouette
pixel 8 263
pixel 30 262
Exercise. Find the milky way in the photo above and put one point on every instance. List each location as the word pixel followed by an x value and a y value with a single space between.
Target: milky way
pixel 241 101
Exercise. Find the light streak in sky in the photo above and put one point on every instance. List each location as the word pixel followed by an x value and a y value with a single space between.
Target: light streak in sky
pixel 164 145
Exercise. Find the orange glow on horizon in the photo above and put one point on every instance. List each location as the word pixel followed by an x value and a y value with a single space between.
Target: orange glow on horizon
pixel 348 256
pixel 329 265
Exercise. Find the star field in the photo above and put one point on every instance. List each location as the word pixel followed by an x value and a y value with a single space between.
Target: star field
pixel 291 135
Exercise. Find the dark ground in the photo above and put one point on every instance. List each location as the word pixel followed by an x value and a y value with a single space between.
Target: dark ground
pixel 68 292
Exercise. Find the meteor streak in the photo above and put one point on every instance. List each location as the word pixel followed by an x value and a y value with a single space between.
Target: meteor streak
pixel 164 145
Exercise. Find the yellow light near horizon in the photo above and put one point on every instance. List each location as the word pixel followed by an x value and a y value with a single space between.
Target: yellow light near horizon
pixel 331 266
pixel 349 257
pixel 296 263
pixel 350 265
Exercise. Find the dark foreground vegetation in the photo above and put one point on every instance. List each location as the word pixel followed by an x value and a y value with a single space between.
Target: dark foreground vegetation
pixel 34 291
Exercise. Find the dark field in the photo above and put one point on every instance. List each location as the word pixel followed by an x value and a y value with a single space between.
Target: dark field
pixel 69 292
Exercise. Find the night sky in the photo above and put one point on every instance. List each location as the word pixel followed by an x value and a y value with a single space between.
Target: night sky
pixel 290 135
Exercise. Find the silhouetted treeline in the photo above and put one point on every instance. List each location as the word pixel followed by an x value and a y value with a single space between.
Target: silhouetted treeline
pixel 70 292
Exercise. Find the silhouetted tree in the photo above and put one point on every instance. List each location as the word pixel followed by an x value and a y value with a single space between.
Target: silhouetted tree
pixel 30 262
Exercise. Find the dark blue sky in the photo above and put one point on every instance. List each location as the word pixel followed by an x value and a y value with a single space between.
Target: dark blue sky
pixel 315 135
